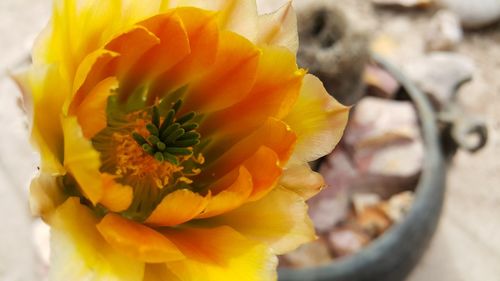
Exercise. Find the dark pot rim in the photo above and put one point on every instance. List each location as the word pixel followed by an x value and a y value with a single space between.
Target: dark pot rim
pixel 392 256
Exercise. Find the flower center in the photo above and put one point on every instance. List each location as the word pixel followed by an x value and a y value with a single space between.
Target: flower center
pixel 153 150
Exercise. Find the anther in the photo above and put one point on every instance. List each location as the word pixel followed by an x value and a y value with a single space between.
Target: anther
pixel 186 118
pixel 174 136
pixel 152 129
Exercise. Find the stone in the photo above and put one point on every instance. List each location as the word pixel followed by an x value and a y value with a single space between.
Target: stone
pixel 308 255
pixel 444 32
pixel 362 201
pixel 398 205
pixel 330 206
pixel 403 160
pixel 440 74
pixel 338 170
pixel 378 122
pixel 373 221
pixel 347 240
pixel 474 14
pixel 379 82
pixel 404 3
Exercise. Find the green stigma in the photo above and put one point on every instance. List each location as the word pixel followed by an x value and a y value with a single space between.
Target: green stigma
pixel 169 136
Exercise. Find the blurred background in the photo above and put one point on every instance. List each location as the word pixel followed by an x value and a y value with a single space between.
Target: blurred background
pixel 449 48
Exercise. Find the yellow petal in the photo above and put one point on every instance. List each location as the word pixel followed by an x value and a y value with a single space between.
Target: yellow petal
pixel 116 197
pixel 280 28
pixel 239 16
pixel 279 219
pixel 302 180
pixel 135 11
pixel 178 207
pixel 232 191
pixel 91 113
pixel 82 160
pixel 220 254
pixel 46 195
pixel 159 272
pixel 317 119
pixel 137 241
pixel 41 86
pixel 78 251
pixel 79 28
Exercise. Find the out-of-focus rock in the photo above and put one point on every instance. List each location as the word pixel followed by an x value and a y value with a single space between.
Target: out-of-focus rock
pixel 474 13
pixel 347 241
pixel 378 122
pixel 444 32
pixel 308 255
pixel 399 160
pixel 440 74
pixel 379 82
pixel 332 49
pixel 362 201
pixel 374 221
pixel 328 208
pixel 404 3
pixel 331 205
pixel 338 170
pixel 398 205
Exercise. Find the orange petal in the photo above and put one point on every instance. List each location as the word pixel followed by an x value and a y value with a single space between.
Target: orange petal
pixel 116 197
pixel 302 180
pixel 232 191
pixel 178 207
pixel 203 33
pixel 274 134
pixel 137 241
pixel 91 113
pixel 82 160
pixel 94 68
pixel 265 170
pixel 230 78
pixel 140 38
pixel 279 219
pixel 318 119
pixel 220 254
pixel 273 95
pixel 280 28
pixel 173 48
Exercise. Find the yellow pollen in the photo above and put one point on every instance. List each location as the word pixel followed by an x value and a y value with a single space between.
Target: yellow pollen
pixel 132 161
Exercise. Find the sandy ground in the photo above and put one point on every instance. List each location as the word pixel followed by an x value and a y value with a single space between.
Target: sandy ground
pixel 467 245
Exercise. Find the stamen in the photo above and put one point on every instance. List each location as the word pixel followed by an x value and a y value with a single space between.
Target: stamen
pixel 170 138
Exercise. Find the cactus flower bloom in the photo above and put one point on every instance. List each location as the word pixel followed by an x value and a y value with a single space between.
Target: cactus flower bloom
pixel 174 139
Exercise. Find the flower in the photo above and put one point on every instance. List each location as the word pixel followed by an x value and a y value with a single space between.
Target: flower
pixel 174 139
